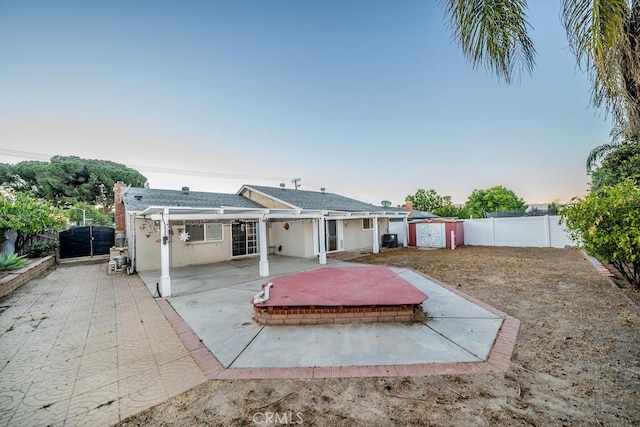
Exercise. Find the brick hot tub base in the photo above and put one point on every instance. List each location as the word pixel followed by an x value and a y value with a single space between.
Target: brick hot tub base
pixel 340 295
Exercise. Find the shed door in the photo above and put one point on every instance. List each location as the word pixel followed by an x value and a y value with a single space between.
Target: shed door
pixel 430 235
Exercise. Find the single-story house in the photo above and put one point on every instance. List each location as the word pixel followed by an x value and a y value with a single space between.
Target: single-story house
pixel 174 228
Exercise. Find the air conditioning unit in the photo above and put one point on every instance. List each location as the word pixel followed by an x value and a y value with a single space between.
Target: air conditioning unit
pixel 389 240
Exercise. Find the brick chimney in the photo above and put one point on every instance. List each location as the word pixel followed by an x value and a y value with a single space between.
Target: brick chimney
pixel 121 223
pixel 409 207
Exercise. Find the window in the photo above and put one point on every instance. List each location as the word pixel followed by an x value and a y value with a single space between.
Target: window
pixel 214 231
pixel 203 232
pixel 367 223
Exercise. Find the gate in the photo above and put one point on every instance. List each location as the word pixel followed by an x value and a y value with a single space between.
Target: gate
pixel 87 240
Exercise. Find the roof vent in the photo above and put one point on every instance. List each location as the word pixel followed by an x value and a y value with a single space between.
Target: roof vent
pixel 322 189
pixel 282 185
pixel 138 197
pixel 185 190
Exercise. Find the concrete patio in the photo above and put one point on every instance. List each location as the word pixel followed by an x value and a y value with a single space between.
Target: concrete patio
pixel 214 301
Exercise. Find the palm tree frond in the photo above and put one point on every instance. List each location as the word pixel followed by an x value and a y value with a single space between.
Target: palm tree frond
pixel 598 153
pixel 493 33
pixel 604 36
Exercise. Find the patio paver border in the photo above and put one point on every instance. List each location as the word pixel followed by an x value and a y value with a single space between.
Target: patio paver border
pixel 498 360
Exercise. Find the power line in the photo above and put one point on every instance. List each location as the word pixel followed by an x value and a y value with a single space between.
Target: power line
pixel 157 169
pixel 25 154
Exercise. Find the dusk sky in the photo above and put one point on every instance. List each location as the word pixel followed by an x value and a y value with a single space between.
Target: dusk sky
pixel 369 99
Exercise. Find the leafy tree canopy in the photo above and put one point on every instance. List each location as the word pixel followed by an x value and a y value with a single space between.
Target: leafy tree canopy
pixel 28 216
pixel 493 199
pixel 623 162
pixel 431 201
pixel 84 214
pixel 68 180
pixel 607 224
pixel 5 172
pixel 428 200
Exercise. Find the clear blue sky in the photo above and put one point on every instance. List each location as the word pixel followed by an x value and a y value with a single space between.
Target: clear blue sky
pixel 370 99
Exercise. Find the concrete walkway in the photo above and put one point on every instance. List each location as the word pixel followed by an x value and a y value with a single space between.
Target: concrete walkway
pixel 79 347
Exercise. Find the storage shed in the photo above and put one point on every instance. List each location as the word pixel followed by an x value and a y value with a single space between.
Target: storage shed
pixel 436 233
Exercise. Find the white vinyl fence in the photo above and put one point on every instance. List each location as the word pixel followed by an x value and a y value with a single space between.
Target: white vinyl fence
pixel 532 231
pixel 398 227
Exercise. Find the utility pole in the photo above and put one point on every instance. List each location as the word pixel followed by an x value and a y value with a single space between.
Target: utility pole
pixel 295 182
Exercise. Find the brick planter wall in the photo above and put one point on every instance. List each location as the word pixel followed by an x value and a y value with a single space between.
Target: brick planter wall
pixel 17 278
pixel 327 315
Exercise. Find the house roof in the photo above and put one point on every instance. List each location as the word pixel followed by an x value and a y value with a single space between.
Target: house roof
pixel 303 199
pixel 423 215
pixel 138 199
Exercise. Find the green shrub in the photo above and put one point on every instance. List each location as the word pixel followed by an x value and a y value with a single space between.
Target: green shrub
pixel 40 248
pixel 9 262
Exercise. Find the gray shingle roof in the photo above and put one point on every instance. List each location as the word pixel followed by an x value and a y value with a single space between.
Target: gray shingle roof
pixel 317 200
pixel 195 199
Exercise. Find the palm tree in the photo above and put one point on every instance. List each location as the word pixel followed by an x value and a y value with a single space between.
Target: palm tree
pixel 604 35
pixel 619 139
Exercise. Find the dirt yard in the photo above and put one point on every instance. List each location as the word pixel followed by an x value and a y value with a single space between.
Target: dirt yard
pixel 576 361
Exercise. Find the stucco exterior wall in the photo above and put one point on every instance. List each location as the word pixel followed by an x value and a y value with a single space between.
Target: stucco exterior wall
pixel 355 237
pixel 296 241
pixel 147 237
pixel 183 254
pixel 263 200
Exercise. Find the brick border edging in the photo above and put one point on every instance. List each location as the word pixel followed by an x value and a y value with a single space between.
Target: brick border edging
pixel 498 361
pixel 17 278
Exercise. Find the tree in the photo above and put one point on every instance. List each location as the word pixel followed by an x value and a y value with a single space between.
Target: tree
pixel 604 36
pixel 66 181
pixel 493 33
pixel 28 216
pixel 493 199
pixel 428 200
pixel 451 211
pixel 5 172
pixel 619 138
pixel 606 223
pixel 621 163
pixel 83 213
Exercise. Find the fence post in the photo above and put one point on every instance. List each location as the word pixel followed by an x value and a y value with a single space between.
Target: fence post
pixel 453 240
pixel 493 231
pixel 547 231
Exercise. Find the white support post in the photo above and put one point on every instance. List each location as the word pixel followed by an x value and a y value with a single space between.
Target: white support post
pixel 165 278
pixel 376 237
pixel 262 237
pixel 405 241
pixel 322 239
pixel 453 240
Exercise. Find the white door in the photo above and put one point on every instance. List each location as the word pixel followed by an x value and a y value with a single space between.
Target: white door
pixel 430 235
pixel 334 235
